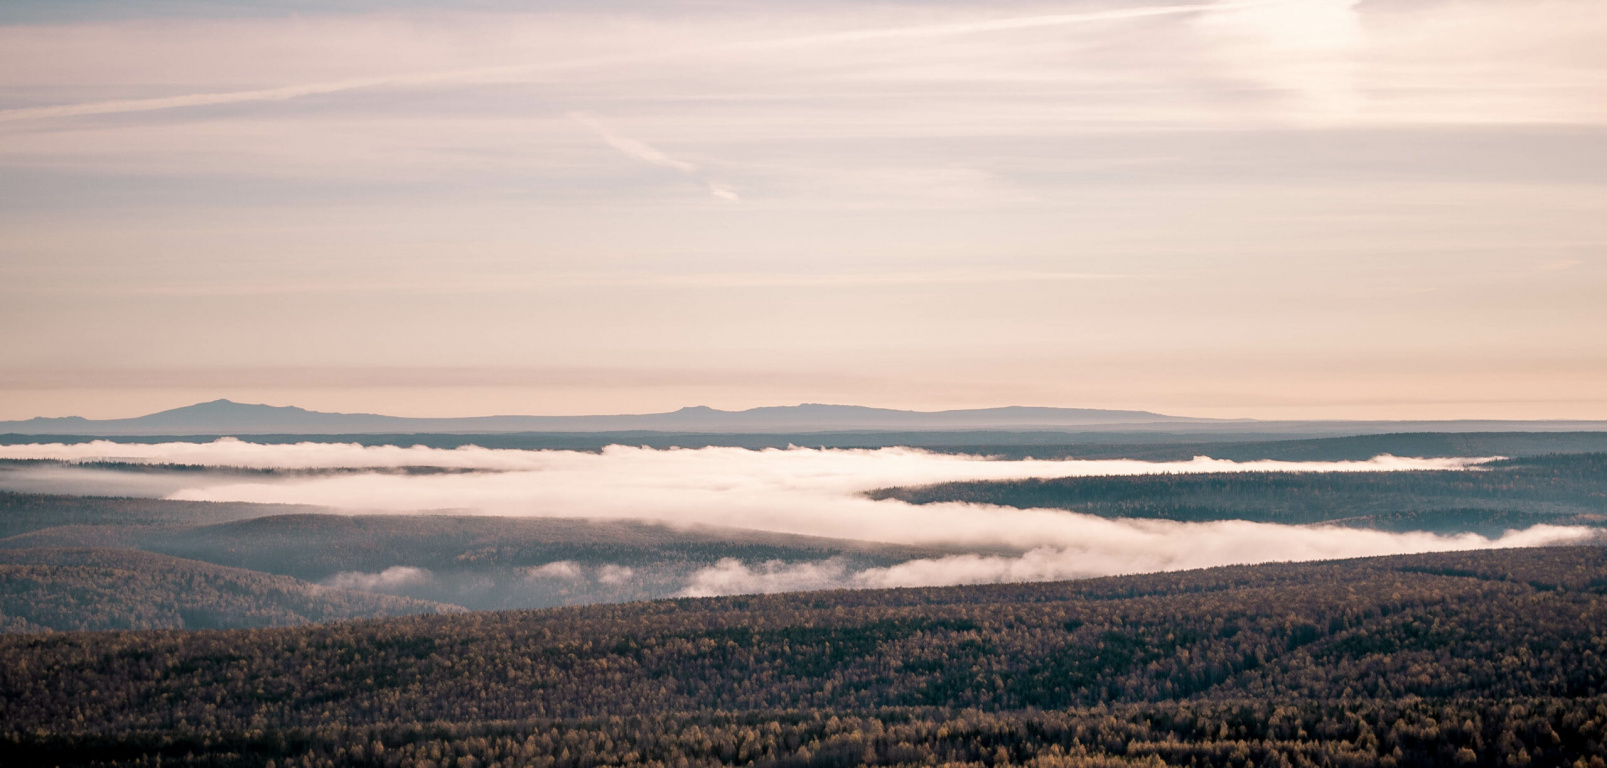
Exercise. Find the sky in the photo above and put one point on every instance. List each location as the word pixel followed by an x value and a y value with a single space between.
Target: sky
pixel 1266 209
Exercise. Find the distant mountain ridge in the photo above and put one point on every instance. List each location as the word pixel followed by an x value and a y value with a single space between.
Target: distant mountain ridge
pixel 228 417
pixel 225 417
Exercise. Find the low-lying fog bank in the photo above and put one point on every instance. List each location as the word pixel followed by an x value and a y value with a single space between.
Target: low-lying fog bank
pixel 801 491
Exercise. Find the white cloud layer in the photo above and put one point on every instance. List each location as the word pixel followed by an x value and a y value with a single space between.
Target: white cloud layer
pixel 842 469
pixel 1113 547
pixel 731 576
pixel 796 491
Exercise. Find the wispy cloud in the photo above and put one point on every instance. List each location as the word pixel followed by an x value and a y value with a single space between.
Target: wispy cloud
pixel 281 93
pixel 830 470
pixel 563 570
pixel 1303 45
pixel 1017 22
pixel 652 155
pixel 648 154
pixel 731 576
pixel 631 147
pixel 723 192
pixel 119 106
pixel 1113 547
pixel 393 578
pixel 424 169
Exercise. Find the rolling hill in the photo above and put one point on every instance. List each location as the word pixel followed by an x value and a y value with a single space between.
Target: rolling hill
pixel 478 562
pixel 101 589
pixel 1502 495
pixel 1466 659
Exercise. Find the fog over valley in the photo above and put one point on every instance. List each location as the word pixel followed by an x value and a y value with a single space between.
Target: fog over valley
pixel 822 495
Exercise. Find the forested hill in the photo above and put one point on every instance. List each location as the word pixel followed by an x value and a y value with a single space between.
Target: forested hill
pixel 97 589
pixel 1515 493
pixel 1494 658
pixel 22 513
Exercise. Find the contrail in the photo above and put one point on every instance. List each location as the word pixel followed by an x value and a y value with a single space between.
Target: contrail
pixel 235 97
pixel 652 155
pixel 1018 22
pixel 640 150
pixel 284 93
pixel 192 100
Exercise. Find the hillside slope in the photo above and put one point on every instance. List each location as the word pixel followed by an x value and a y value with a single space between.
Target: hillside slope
pixel 479 562
pixel 1487 658
pixel 1515 493
pixel 316 546
pixel 22 513
pixel 99 589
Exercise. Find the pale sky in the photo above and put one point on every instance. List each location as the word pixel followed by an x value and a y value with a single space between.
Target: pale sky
pixel 1280 209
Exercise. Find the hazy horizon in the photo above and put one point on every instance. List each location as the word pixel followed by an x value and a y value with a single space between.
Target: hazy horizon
pixel 685 408
pixel 815 410
pixel 1274 209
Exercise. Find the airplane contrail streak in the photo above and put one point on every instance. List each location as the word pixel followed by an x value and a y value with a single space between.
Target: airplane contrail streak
pixel 284 93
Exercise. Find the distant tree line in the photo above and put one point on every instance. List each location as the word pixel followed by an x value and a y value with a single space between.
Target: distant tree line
pixel 1516 493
